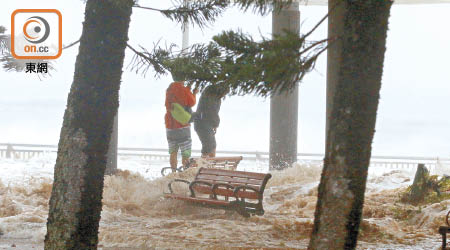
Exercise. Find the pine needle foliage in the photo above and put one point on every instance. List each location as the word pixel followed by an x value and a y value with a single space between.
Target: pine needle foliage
pixel 262 7
pixel 233 59
pixel 263 68
pixel 3 40
pixel 199 12
pixel 9 63
pixel 204 12
pixel 144 60
pixel 237 62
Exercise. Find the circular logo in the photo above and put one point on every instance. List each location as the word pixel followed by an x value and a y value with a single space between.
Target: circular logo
pixel 36 29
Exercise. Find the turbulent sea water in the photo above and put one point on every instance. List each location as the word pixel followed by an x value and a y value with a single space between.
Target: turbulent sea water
pixel 136 216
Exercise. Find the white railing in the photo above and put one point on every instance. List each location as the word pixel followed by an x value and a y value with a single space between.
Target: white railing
pixel 27 151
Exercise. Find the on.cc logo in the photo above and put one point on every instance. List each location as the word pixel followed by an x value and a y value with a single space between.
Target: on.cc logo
pixel 36 29
pixel 36 34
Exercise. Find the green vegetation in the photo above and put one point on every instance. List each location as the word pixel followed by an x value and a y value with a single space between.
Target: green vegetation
pixel 426 188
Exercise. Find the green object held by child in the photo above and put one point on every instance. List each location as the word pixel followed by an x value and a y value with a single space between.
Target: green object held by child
pixel 180 114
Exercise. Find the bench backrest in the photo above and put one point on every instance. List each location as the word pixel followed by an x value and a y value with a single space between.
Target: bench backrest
pixel 233 178
pixel 221 162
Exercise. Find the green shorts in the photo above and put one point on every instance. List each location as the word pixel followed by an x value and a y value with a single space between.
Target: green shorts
pixel 180 139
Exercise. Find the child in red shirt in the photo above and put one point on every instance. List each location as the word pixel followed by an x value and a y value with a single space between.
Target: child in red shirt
pixel 178 135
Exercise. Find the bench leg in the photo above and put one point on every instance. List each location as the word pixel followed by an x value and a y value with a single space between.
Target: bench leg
pixel 444 241
pixel 240 208
pixel 243 213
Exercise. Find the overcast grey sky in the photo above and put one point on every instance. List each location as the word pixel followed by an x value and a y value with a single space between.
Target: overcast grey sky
pixel 413 117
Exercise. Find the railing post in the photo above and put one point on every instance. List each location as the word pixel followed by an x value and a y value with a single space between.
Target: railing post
pixel 111 166
pixel 9 151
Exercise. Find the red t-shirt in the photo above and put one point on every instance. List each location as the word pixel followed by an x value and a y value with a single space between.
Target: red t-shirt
pixel 182 95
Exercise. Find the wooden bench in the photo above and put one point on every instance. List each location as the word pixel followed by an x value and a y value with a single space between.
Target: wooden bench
pixel 214 188
pixel 443 230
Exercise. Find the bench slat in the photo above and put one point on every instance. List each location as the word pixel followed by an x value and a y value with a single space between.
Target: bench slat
pixel 228 179
pixel 226 192
pixel 258 187
pixel 227 158
pixel 198 200
pixel 220 162
pixel 242 174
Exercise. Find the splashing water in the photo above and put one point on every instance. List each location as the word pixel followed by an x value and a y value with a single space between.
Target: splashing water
pixel 135 214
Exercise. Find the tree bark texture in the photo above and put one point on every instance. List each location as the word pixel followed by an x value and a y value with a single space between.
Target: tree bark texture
pixel 357 65
pixel 75 203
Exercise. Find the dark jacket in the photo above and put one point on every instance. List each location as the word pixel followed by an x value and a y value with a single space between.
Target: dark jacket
pixel 207 113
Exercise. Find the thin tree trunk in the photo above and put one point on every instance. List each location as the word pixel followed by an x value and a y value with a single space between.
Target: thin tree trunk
pixel 419 188
pixel 75 203
pixel 356 84
pixel 423 185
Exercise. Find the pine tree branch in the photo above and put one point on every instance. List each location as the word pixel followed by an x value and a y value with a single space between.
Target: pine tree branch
pixel 199 12
pixel 147 8
pixel 204 12
pixel 9 63
pixel 314 45
pixel 18 65
pixel 143 60
pixel 72 44
pixel 317 25
pixel 235 61
pixel 263 7
pixel 4 41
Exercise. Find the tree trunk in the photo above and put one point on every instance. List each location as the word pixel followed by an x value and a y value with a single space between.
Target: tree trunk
pixel 362 26
pixel 419 188
pixel 423 186
pixel 75 203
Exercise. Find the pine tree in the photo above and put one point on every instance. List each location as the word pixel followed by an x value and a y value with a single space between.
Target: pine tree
pixel 76 199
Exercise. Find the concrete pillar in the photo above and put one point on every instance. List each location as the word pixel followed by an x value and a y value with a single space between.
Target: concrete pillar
pixel 185 41
pixel 111 165
pixel 284 107
pixel 185 30
pixel 9 151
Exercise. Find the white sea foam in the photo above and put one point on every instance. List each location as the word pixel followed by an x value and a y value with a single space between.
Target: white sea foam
pixel 135 214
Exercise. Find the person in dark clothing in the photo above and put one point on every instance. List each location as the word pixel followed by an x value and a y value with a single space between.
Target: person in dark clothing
pixel 207 118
